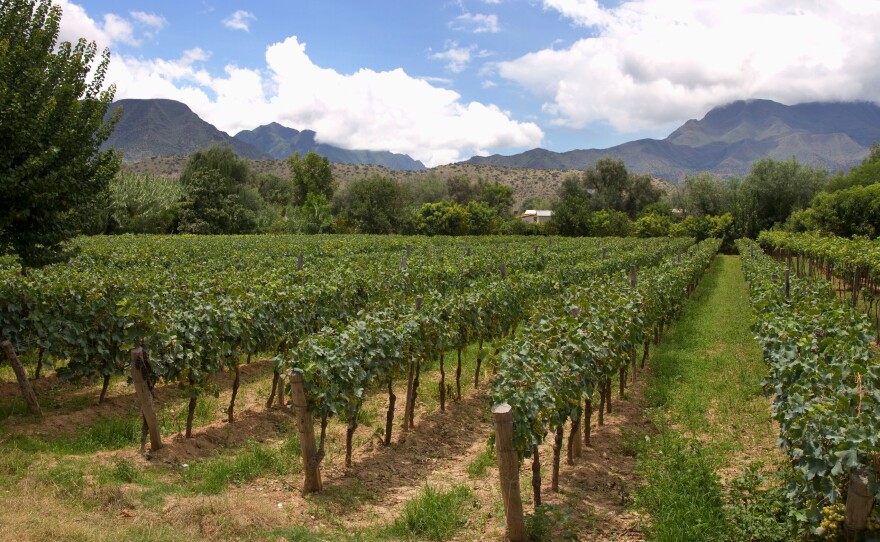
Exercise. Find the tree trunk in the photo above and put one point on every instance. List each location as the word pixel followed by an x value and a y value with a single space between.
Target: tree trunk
pixel 141 381
pixel 21 375
pixel 415 394
pixel 442 384
pixel 104 387
pixel 389 417
pixel 39 364
pixel 479 362
pixel 608 396
pixel 349 434
pixel 271 400
pixel 601 420
pixel 622 381
pixel 409 391
pixel 557 454
pixel 588 415
pixel 574 439
pixel 536 476
pixel 458 378
pixel 235 384
pixel 646 352
pixel 190 414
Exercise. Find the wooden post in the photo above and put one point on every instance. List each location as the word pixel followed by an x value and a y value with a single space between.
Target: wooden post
pixel 23 383
pixel 508 473
pixel 858 506
pixel 306 427
pixel 402 264
pixel 855 288
pixel 604 252
pixel 408 250
pixel 504 270
pixel 299 262
pixel 632 276
pixel 145 397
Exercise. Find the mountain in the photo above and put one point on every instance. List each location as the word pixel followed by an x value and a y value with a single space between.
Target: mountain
pixel 149 128
pixel 730 138
pixel 280 142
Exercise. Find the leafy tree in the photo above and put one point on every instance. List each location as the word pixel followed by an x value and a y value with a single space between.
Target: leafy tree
pixel 498 197
pixel 316 215
pixel 610 180
pixel 218 197
pixel 482 219
pixel 700 195
pixel 428 189
pixel 374 204
pixel 311 175
pixel 610 224
pixel 273 189
pixel 442 218
pixel 853 211
pixel 213 205
pixel 51 129
pixel 144 203
pixel 461 189
pixel 652 225
pixel 771 191
pixel 572 217
pixel 873 155
pixel 640 192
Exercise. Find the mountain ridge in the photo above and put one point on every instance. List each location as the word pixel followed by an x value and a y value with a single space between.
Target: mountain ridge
pixel 729 138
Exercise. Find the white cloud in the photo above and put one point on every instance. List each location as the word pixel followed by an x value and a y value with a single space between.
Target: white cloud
pixel 649 63
pixel 458 57
pixel 476 22
pixel 77 24
pixel 387 110
pixel 240 20
pixel 156 22
pixel 488 84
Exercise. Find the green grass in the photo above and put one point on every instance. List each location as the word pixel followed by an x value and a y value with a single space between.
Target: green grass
pixel 477 468
pixel 252 461
pixel 433 514
pixel 708 369
pixel 709 406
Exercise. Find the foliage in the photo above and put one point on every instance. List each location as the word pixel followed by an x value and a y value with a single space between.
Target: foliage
pixel 773 190
pixel 652 225
pixel 443 218
pixel 461 189
pixel 606 223
pixel 311 175
pixel 315 215
pixel 51 166
pixel 537 202
pixel 758 508
pixel 374 204
pixel 215 204
pixel 821 362
pixel 498 197
pixel 700 195
pixel 848 212
pixel 482 219
pixel 144 203
pixel 434 514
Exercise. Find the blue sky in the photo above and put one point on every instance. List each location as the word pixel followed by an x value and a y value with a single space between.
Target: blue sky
pixel 443 80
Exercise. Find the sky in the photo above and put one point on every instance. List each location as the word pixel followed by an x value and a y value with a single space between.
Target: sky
pixel 443 80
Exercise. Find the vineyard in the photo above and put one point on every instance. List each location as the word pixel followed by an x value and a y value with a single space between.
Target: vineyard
pixel 358 344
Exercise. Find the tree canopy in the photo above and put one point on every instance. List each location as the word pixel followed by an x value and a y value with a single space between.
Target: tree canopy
pixel 52 107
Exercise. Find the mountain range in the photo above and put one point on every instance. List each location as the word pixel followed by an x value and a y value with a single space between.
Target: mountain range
pixel 726 141
pixel 729 139
pixel 158 127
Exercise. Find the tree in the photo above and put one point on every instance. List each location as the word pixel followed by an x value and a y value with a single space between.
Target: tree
pixel 374 204
pixel 51 130
pixel 610 180
pixel 497 196
pixel 311 175
pixel 461 189
pixel 772 190
pixel 701 195
pixel 640 193
pixel 218 196
pixel 442 218
pixel 482 219
pixel 144 203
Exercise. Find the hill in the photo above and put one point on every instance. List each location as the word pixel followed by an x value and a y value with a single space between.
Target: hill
pixel 729 139
pixel 156 127
pixel 279 142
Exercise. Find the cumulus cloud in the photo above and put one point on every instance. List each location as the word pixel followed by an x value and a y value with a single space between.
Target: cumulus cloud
pixel 112 30
pixel 240 20
pixel 458 57
pixel 648 63
pixel 156 22
pixel 388 110
pixel 477 23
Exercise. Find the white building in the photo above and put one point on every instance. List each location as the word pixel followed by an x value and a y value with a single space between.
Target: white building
pixel 536 216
